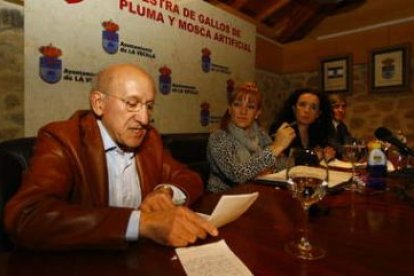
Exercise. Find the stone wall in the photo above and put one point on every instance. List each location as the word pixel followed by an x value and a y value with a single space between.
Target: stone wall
pixel 276 88
pixel 366 111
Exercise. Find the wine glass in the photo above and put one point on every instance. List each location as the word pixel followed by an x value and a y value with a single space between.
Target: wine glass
pixel 354 152
pixel 307 182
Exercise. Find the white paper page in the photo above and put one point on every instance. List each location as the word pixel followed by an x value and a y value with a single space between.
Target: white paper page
pixel 390 166
pixel 277 177
pixel 344 164
pixel 335 177
pixel 211 259
pixel 231 207
pixel 347 165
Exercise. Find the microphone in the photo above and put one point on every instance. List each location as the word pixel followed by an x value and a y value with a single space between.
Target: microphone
pixel 386 135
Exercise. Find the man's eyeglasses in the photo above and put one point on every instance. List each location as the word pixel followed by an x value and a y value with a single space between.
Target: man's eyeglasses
pixel 133 104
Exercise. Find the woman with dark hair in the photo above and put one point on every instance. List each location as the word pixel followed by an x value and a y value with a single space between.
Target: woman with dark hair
pixel 239 150
pixel 309 113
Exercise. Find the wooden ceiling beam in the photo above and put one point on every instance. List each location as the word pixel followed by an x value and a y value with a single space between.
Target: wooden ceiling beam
pixel 271 9
pixel 297 21
pixel 238 4
pixel 278 28
pixel 231 10
pixel 262 29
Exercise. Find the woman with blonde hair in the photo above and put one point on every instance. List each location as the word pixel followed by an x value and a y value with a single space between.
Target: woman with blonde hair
pixel 240 150
pixel 339 133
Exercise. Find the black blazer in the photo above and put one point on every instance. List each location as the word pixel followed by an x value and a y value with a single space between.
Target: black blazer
pixel 339 136
pixel 316 139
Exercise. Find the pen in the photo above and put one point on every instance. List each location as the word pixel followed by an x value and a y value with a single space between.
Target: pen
pixel 289 125
pixel 292 124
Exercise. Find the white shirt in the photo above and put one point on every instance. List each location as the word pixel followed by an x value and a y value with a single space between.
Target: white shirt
pixel 124 184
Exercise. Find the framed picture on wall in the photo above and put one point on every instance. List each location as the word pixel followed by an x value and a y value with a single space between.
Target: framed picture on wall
pixel 336 75
pixel 389 69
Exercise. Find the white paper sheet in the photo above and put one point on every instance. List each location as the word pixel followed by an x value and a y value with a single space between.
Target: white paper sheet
pixel 230 208
pixel 344 164
pixel 347 165
pixel 335 177
pixel 211 259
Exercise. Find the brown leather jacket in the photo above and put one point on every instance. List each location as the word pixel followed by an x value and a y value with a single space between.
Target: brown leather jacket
pixel 63 200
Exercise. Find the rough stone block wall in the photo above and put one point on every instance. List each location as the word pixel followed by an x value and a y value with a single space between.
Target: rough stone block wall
pixel 276 88
pixel 366 110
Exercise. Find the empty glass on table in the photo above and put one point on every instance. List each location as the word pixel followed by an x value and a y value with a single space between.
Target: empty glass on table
pixel 355 152
pixel 307 182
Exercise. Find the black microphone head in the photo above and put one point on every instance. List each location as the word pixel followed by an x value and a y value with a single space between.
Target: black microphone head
pixel 386 135
pixel 383 133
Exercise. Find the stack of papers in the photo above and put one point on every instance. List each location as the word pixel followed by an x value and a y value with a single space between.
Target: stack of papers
pixel 217 258
pixel 211 259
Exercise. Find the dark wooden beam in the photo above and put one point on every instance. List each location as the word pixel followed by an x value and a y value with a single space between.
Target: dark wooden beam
pixel 238 4
pixel 271 9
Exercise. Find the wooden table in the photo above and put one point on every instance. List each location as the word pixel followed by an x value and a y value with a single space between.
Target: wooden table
pixel 363 235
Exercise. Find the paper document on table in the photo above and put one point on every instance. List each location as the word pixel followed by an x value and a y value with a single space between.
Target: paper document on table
pixel 211 259
pixel 230 208
pixel 344 164
pixel 390 166
pixel 277 177
pixel 347 165
pixel 335 177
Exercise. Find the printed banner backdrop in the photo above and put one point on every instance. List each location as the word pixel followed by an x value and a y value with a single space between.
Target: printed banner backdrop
pixel 195 52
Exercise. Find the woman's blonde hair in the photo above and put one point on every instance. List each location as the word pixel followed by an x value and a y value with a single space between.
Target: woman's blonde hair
pixel 248 88
pixel 336 98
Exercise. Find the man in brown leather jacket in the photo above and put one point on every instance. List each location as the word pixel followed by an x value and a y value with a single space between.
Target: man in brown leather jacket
pixel 102 178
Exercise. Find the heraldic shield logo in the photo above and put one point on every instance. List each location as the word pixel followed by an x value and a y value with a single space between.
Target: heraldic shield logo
pixel 165 80
pixel 110 37
pixel 205 60
pixel 50 67
pixel 388 68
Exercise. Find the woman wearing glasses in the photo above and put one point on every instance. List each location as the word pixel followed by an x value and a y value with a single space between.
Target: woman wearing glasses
pixel 309 113
pixel 239 151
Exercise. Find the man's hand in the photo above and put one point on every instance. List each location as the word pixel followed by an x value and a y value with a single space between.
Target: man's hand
pixel 176 226
pixel 157 200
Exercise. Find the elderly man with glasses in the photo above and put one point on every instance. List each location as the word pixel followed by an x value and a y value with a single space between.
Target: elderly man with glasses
pixel 102 178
